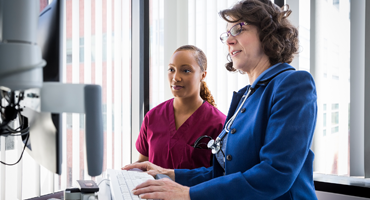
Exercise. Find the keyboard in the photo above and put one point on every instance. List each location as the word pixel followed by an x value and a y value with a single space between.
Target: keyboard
pixel 122 182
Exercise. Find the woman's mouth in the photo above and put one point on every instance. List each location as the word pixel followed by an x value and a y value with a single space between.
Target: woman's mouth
pixel 177 87
pixel 234 53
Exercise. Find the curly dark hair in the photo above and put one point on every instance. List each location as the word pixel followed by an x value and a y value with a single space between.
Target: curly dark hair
pixel 278 36
pixel 201 59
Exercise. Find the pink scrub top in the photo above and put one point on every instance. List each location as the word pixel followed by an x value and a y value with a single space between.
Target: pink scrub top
pixel 170 148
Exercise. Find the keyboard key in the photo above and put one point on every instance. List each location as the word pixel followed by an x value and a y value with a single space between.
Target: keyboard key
pixel 123 182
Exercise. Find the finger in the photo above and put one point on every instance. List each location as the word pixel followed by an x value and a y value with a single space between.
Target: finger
pixel 152 172
pixel 141 166
pixel 147 183
pixel 129 166
pixel 149 189
pixel 153 195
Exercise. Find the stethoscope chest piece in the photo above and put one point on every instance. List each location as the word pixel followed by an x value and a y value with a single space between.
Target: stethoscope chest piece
pixel 214 145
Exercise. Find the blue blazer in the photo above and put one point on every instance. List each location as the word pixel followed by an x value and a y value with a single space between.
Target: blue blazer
pixel 270 156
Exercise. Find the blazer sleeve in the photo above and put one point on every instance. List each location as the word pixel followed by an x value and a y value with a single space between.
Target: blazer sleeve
pixel 286 146
pixel 191 177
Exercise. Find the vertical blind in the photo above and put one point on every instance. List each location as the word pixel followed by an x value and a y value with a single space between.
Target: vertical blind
pixel 330 70
pixel 204 27
pixel 96 50
pixel 101 53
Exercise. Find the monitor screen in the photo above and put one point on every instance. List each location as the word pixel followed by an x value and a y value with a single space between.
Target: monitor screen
pixel 45 143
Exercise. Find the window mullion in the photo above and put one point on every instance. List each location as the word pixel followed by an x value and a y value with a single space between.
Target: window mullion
pixel 357 81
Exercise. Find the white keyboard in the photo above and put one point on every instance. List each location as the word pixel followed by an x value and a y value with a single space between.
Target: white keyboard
pixel 122 183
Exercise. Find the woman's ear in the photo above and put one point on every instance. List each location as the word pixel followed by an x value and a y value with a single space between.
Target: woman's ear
pixel 204 74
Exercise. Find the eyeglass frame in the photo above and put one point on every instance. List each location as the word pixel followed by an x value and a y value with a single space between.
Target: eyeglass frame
pixel 229 33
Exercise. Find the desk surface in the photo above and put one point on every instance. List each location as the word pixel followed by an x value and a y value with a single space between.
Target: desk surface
pixel 56 195
pixel 103 194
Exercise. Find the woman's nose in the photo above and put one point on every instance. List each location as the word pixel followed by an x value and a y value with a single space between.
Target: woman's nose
pixel 230 40
pixel 176 78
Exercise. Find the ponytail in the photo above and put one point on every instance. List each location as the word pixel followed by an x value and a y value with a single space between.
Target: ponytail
pixel 206 95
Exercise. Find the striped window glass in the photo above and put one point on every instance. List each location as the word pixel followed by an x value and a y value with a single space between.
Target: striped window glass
pixel 200 26
pixel 332 77
pixel 96 50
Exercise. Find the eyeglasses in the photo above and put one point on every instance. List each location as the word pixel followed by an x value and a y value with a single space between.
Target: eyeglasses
pixel 234 31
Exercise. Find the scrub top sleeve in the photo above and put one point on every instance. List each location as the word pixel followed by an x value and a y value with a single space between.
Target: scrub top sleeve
pixel 142 140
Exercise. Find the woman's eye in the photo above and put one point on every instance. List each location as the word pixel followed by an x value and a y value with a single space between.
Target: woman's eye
pixel 171 70
pixel 186 71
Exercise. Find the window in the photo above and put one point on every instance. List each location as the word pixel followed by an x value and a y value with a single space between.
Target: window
pixel 335 118
pixel 68 120
pixel 82 122
pixel 69 51
pixel 82 53
pixel 331 68
pixel 97 51
pixel 202 29
pixel 100 41
pixel 332 71
pixel 324 120
pixel 325 58
pixel 158 65
pixel 9 143
pixel 336 4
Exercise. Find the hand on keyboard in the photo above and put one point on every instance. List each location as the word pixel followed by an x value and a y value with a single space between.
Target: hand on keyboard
pixel 163 189
pixel 151 169
pixel 122 183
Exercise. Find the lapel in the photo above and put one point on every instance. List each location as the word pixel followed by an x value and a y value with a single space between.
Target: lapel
pixel 234 102
pixel 262 79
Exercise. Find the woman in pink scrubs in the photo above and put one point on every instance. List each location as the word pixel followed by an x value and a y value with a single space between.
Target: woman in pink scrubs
pixel 169 132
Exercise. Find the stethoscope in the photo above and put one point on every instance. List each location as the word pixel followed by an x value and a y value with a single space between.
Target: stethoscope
pixel 216 145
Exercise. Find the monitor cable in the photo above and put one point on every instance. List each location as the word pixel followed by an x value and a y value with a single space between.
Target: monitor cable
pixel 10 113
pixel 24 148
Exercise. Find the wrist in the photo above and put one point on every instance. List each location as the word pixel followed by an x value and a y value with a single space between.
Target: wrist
pixel 170 173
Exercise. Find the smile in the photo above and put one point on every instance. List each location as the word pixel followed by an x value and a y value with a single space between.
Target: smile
pixel 235 52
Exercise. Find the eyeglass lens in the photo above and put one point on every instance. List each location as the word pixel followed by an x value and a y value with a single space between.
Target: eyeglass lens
pixel 234 31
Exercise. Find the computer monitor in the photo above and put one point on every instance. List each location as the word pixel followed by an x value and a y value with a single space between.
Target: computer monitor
pixel 45 143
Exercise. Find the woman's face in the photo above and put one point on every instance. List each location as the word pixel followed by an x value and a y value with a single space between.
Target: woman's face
pixel 245 49
pixel 184 74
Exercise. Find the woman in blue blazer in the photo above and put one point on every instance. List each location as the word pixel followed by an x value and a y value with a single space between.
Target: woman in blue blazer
pixel 263 151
